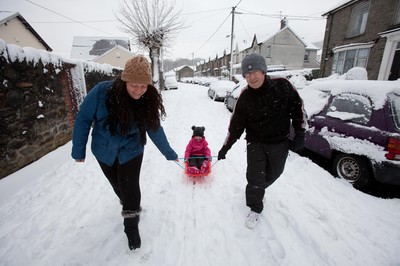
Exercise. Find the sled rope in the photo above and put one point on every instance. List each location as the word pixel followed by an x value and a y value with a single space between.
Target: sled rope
pixel 214 163
pixel 179 165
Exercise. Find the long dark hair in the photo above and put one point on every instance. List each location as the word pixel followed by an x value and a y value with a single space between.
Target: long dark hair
pixel 123 110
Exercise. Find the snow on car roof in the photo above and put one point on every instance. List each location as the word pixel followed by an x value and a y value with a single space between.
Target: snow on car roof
pixel 223 85
pixel 376 90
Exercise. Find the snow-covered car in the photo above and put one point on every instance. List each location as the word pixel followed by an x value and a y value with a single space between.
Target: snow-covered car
pixel 219 88
pixel 171 83
pixel 356 125
pixel 231 97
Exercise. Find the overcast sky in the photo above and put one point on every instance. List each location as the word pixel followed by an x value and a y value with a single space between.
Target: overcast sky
pixel 207 22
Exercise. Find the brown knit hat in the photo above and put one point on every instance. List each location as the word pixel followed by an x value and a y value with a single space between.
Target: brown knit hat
pixel 137 70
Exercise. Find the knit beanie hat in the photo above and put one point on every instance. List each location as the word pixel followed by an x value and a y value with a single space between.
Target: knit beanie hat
pixel 198 131
pixel 137 71
pixel 253 62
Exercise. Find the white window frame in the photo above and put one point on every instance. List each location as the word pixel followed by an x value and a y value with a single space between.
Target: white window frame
pixel 341 59
pixel 392 40
pixel 358 19
pixel 268 51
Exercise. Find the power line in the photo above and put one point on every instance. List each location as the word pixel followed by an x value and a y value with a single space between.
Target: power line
pixel 204 11
pixel 213 33
pixel 217 28
pixel 68 17
pixel 241 22
pixel 238 3
pixel 80 22
pixel 279 16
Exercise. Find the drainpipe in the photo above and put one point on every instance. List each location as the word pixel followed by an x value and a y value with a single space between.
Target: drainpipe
pixel 327 44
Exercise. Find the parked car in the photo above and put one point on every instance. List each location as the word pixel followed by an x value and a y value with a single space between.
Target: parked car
pixel 219 88
pixel 356 125
pixel 231 97
pixel 171 83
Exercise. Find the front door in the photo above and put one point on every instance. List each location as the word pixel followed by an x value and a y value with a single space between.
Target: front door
pixel 395 70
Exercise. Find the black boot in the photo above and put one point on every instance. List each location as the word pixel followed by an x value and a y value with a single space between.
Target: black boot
pixel 132 232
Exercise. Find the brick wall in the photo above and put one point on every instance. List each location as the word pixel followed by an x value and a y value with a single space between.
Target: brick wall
pixel 380 19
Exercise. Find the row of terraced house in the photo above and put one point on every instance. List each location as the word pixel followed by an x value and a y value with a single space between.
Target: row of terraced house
pixel 358 33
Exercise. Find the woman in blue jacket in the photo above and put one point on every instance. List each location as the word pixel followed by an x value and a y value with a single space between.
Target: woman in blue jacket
pixel 121 112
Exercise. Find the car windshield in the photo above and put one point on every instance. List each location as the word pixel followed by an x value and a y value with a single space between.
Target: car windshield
pixel 395 106
pixel 351 107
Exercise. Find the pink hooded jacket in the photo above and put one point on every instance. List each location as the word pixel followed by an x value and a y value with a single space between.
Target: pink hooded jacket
pixel 197 148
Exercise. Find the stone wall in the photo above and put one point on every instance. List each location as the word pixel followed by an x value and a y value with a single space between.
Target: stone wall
pixel 39 96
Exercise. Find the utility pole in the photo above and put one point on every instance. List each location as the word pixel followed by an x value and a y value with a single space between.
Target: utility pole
pixel 232 36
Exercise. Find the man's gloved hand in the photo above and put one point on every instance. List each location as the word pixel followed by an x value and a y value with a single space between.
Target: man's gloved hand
pixel 222 153
pixel 298 142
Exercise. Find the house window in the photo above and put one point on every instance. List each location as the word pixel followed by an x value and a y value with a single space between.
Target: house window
pixel 307 56
pixel 397 14
pixel 358 20
pixel 268 52
pixel 347 59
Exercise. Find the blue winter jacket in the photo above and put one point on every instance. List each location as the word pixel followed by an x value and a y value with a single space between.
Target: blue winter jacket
pixel 105 146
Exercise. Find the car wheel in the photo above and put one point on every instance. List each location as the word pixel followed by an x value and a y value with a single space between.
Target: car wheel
pixel 353 168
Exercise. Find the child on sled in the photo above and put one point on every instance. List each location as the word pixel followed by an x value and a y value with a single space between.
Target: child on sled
pixel 197 153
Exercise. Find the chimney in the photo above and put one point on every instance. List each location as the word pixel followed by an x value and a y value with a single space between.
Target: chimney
pixel 284 22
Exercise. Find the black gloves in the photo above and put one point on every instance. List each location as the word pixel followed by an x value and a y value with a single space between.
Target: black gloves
pixel 222 153
pixel 297 142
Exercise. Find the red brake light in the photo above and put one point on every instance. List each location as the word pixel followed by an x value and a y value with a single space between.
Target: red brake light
pixel 393 148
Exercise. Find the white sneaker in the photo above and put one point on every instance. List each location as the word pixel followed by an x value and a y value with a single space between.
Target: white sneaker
pixel 252 219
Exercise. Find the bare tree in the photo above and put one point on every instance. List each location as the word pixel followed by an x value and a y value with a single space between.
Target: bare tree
pixel 153 24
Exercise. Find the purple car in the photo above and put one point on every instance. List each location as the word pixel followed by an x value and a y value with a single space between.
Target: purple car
pixel 356 125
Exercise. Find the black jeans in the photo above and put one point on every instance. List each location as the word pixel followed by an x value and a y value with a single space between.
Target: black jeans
pixel 265 163
pixel 124 179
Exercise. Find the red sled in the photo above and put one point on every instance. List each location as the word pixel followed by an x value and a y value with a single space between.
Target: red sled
pixel 194 172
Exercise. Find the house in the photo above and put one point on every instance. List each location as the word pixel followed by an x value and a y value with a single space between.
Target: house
pixel 14 29
pixel 110 50
pixel 183 72
pixel 284 49
pixel 238 57
pixel 312 56
pixel 364 33
pixel 116 56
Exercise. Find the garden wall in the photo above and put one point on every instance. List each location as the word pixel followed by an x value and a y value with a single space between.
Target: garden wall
pixel 40 95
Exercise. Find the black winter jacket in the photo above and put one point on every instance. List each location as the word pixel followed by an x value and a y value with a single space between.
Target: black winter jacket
pixel 267 113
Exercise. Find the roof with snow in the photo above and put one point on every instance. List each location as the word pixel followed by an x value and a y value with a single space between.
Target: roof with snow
pixel 307 44
pixel 180 67
pixel 89 48
pixel 339 6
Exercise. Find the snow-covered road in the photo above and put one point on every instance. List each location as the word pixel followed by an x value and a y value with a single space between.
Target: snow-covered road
pixel 58 212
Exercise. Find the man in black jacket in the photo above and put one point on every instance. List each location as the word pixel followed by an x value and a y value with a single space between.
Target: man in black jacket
pixel 265 109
